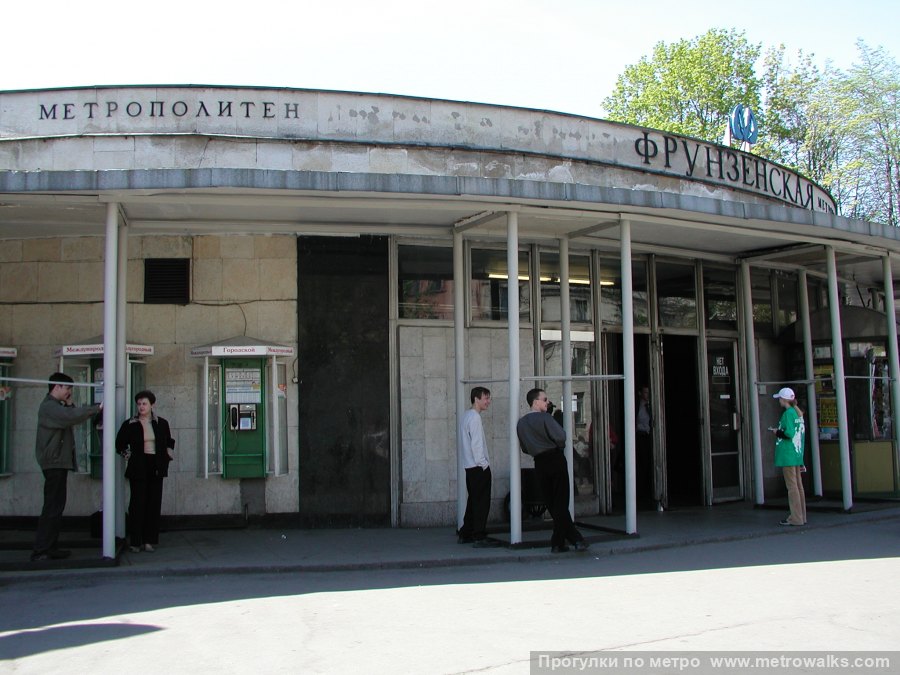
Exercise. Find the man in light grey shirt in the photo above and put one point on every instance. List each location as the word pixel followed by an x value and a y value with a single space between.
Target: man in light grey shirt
pixel 478 471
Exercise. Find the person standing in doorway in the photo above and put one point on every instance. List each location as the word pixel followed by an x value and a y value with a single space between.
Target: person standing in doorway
pixel 55 452
pixel 541 437
pixel 146 442
pixel 644 448
pixel 478 471
pixel 790 434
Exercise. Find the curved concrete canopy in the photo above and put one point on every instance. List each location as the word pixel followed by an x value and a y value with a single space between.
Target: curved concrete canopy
pixel 216 159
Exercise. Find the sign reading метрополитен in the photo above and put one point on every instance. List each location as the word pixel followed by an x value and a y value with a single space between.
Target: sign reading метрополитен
pixel 380 119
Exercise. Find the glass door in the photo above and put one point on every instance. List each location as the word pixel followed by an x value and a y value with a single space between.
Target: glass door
pixel 724 420
pixel 584 461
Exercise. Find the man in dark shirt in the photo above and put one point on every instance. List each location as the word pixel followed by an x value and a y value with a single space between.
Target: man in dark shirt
pixel 55 453
pixel 541 437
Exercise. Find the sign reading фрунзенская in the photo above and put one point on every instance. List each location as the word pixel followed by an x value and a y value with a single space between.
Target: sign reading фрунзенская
pixel 394 121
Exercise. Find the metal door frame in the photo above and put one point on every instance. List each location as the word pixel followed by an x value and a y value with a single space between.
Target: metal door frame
pixel 737 388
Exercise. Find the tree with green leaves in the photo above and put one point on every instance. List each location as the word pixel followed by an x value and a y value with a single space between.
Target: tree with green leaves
pixel 840 129
pixel 689 87
pixel 868 96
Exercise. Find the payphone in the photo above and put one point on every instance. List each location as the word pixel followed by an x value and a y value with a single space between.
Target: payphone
pixel 245 408
pixel 244 439
pixel 242 417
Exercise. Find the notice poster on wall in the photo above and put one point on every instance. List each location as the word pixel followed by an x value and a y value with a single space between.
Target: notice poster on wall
pixel 828 425
pixel 243 385
pixel 824 375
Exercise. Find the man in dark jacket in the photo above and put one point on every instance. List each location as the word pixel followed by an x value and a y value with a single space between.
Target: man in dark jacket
pixel 541 437
pixel 55 452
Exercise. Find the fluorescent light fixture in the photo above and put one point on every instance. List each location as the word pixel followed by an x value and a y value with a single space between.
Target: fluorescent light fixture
pixel 582 282
pixel 522 277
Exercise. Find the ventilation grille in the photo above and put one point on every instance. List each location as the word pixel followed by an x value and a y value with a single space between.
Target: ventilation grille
pixel 167 281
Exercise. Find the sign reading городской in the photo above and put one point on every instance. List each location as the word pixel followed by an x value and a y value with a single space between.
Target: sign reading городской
pixel 394 121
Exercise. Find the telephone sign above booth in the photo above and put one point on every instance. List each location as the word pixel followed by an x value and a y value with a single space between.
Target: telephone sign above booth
pixel 84 363
pixel 97 349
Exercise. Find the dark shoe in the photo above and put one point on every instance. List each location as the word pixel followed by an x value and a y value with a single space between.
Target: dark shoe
pixel 59 554
pixel 581 546
pixel 464 540
pixel 39 557
pixel 787 522
pixel 559 549
pixel 486 543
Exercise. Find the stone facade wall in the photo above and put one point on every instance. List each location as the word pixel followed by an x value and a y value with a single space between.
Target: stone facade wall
pixel 428 417
pixel 51 294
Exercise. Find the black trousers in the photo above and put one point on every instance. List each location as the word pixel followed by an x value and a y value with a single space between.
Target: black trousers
pixel 553 475
pixel 643 452
pixel 47 536
pixel 478 505
pixel 144 507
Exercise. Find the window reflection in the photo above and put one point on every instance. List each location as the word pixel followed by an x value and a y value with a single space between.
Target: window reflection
pixel 787 299
pixel 489 285
pixel 720 298
pixel 761 293
pixel 677 295
pixel 611 293
pixel 425 282
pixel 579 288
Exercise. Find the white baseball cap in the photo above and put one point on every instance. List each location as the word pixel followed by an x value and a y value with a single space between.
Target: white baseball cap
pixel 787 394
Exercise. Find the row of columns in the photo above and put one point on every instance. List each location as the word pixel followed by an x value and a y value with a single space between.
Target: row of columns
pixel 837 355
pixel 514 378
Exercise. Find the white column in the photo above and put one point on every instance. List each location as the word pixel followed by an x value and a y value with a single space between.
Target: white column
pixel 753 377
pixel 274 420
pixel 205 433
pixel 566 349
pixel 515 475
pixel 110 276
pixel 628 372
pixel 893 361
pixel 837 354
pixel 122 374
pixel 459 351
pixel 812 417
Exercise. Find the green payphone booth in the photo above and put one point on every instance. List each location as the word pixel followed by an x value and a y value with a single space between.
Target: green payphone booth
pixel 84 363
pixel 7 356
pixel 244 438
pixel 246 408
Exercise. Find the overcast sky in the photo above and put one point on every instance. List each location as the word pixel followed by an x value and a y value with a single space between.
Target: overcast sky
pixel 562 55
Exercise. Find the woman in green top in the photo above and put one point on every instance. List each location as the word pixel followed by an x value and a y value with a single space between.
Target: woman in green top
pixel 789 454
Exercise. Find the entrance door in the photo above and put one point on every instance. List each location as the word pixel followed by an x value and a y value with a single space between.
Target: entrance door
pixel 682 418
pixel 582 406
pixel 724 420
pixel 614 394
pixel 343 367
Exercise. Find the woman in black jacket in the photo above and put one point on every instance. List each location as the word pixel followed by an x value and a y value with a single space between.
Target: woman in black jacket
pixel 146 442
